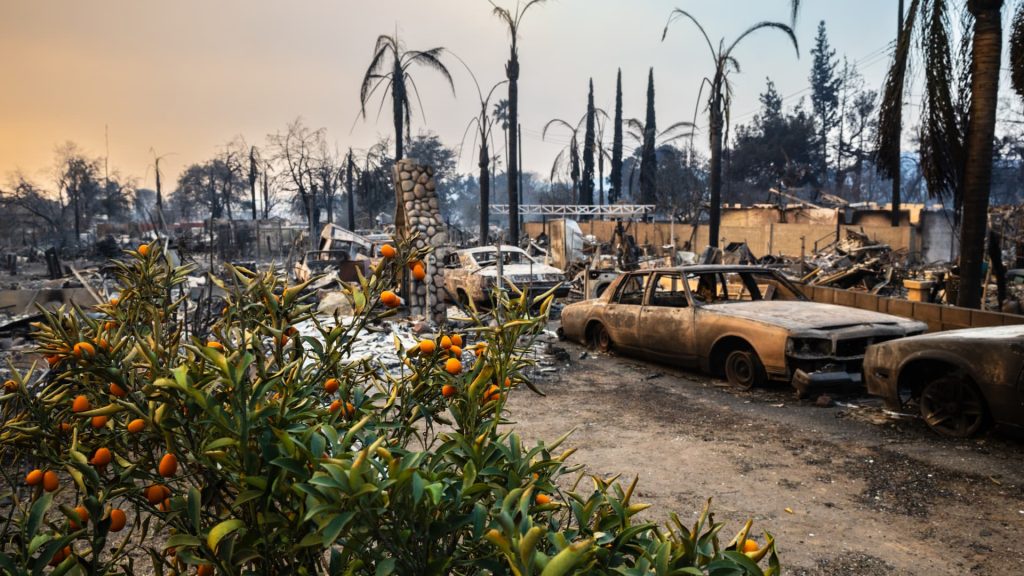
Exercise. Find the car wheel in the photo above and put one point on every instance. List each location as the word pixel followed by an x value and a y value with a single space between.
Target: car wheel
pixel 600 339
pixel 743 369
pixel 953 406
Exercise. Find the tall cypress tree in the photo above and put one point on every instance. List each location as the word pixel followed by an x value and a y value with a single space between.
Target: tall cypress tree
pixel 587 189
pixel 648 158
pixel 616 185
pixel 825 85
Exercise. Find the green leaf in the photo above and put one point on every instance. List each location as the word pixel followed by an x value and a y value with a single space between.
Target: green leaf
pixel 194 501
pixel 386 567
pixel 183 540
pixel 218 532
pixel 35 515
pixel 335 526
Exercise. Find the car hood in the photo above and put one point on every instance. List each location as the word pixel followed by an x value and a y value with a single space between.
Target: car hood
pixel 796 315
pixel 519 269
pixel 995 333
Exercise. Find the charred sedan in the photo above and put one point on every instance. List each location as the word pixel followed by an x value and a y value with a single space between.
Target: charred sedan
pixel 472 274
pixel 746 323
pixel 959 380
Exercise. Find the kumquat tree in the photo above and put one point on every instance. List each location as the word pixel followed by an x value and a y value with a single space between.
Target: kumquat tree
pixel 146 448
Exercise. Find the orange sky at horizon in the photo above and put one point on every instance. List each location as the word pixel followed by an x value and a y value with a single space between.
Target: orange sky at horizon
pixel 182 79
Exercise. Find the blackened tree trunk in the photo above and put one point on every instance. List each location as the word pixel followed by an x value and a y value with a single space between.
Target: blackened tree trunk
pixel 615 189
pixel 485 192
pixel 985 69
pixel 351 192
pixel 512 72
pixel 717 127
pixel 649 159
pixel 587 189
pixel 398 106
pixel 252 179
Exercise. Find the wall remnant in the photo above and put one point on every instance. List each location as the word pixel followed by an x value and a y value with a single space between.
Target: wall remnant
pixel 418 216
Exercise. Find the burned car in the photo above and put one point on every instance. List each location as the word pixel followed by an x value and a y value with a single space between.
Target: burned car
pixel 472 274
pixel 746 323
pixel 959 380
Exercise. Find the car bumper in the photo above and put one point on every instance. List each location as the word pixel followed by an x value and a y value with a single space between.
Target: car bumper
pixel 824 379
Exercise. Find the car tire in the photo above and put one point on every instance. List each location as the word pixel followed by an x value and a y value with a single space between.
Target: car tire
pixel 743 369
pixel 600 339
pixel 953 406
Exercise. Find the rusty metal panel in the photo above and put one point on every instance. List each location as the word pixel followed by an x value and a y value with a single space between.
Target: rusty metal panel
pixel 953 318
pixel 979 318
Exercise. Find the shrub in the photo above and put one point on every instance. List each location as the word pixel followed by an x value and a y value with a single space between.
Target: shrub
pixel 259 449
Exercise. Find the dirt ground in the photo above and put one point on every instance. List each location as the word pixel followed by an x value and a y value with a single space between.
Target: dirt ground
pixel 869 494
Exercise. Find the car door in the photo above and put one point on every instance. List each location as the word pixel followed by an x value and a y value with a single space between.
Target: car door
pixel 667 319
pixel 622 313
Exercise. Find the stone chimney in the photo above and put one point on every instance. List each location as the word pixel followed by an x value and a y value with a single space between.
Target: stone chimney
pixel 417 213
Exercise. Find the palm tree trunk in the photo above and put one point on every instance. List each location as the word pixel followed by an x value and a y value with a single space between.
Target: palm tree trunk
pixel 485 192
pixel 512 71
pixel 715 213
pixel 398 107
pixel 985 67
pixel 351 193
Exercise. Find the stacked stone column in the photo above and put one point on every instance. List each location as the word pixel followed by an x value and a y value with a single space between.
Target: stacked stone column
pixel 417 213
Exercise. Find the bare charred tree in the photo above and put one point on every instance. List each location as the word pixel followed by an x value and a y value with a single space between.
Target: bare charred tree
pixel 350 190
pixel 294 150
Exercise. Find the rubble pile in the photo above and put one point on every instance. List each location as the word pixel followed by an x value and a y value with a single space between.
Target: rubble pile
pixel 856 262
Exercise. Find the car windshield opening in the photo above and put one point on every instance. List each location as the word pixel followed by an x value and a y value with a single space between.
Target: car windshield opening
pixel 740 286
pixel 490 257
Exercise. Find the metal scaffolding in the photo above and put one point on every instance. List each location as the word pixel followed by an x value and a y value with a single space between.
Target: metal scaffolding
pixel 577 210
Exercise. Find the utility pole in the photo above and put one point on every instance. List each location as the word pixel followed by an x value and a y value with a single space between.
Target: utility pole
pixel 897 174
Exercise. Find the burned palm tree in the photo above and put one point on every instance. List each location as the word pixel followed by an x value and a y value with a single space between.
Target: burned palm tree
pixel 958 112
pixel 647 141
pixel 394 77
pixel 483 123
pixel 513 20
pixel 720 98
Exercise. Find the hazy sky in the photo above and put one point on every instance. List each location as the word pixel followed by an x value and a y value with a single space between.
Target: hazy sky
pixel 184 77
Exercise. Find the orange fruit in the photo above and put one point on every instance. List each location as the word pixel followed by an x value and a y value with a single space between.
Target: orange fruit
pixel 118 520
pixel 446 342
pixel 109 325
pixel 492 393
pixel 50 481
pixel 116 390
pixel 427 346
pixel 390 299
pixel 114 301
pixel 335 406
pixel 83 517
pixel 204 570
pixel 65 427
pixel 34 478
pixel 144 250
pixel 80 404
pixel 52 359
pixel 331 385
pixel 508 382
pixel 101 457
pixel 168 465
pixel 137 425
pixel 60 556
pixel 419 272
pixel 448 390
pixel 83 349
pixel 215 345
pixel 157 493
pixel 165 506
pixel 542 499
pixel 102 344
pixel 455 351
pixel 10 386
pixel 350 409
pixel 388 251
pixel 457 340
pixel 99 421
pixel 453 366
pixel 412 264
pixel 749 545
